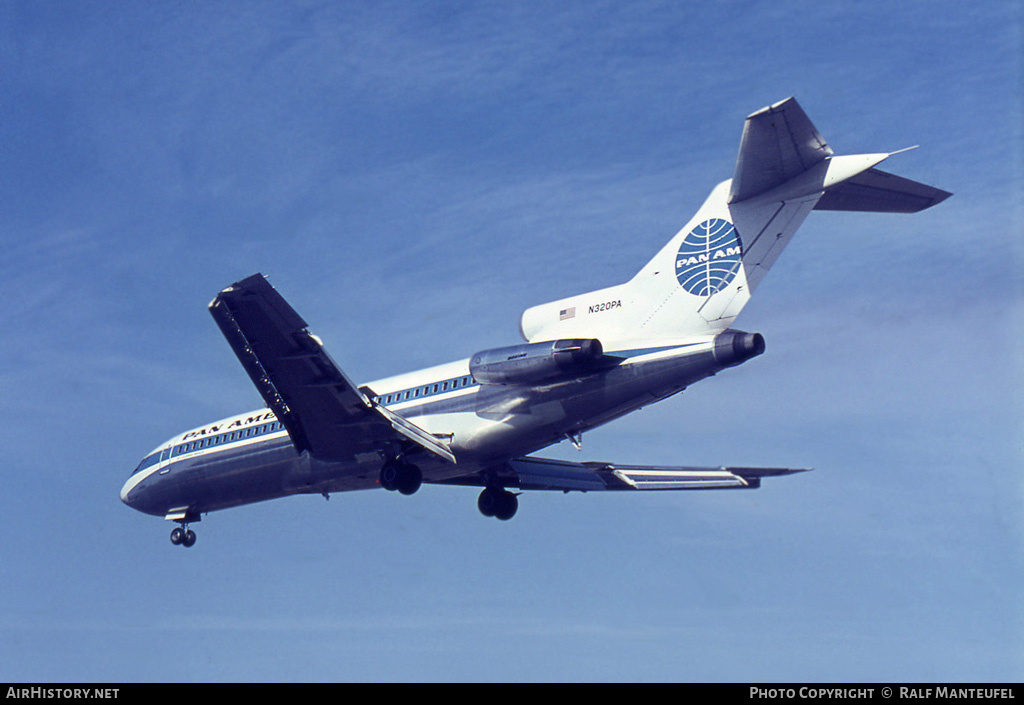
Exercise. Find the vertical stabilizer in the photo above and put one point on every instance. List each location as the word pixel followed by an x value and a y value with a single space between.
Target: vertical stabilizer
pixel 702 278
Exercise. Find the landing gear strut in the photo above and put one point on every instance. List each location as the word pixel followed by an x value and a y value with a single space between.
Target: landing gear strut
pixel 497 502
pixel 183 536
pixel 404 477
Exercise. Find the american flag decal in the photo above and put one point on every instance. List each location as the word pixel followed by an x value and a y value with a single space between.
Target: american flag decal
pixel 567 313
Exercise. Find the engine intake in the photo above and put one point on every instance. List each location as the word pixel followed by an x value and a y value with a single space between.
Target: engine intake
pixel 535 362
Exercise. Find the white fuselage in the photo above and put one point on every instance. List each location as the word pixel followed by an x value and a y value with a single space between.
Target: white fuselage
pixel 250 458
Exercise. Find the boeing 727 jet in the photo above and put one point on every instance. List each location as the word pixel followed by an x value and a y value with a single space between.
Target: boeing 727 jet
pixel 586 360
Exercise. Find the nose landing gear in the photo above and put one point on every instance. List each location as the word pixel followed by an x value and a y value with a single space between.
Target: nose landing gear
pixel 183 516
pixel 183 536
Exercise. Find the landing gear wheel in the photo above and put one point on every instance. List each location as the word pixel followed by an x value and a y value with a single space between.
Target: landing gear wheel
pixel 404 477
pixel 410 479
pixel 181 536
pixel 389 475
pixel 487 502
pixel 497 502
pixel 509 506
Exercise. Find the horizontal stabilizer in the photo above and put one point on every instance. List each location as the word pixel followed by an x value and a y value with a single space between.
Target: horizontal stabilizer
pixel 878 191
pixel 779 143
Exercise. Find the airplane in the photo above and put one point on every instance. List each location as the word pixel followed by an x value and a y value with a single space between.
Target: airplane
pixel 586 360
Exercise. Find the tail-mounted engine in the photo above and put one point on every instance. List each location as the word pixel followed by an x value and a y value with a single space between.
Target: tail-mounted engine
pixel 536 362
pixel 733 347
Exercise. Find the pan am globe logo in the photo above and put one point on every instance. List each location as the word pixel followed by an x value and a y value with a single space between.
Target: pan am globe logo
pixel 709 257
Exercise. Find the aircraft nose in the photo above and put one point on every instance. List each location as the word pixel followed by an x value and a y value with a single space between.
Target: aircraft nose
pixel 125 490
pixel 132 491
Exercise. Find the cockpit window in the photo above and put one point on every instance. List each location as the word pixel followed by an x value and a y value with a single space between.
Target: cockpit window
pixel 149 461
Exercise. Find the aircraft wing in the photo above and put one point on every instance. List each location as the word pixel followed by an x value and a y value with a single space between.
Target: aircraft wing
pixel 529 473
pixel 322 409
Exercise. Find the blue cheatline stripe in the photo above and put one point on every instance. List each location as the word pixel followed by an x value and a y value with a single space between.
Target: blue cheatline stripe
pixel 236 436
pixel 228 438
pixel 426 390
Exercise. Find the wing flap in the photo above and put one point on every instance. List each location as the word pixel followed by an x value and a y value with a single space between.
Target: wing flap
pixel 416 434
pixel 542 474
pixel 680 478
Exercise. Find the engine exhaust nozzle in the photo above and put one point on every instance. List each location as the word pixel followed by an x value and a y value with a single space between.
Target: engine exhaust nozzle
pixel 734 347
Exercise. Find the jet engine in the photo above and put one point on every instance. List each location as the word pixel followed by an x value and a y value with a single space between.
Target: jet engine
pixel 733 347
pixel 535 362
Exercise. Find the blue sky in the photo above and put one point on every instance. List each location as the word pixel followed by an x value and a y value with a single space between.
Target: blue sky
pixel 412 176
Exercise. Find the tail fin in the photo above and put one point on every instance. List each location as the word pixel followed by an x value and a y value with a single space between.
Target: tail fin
pixel 700 281
pixel 779 143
